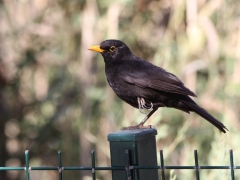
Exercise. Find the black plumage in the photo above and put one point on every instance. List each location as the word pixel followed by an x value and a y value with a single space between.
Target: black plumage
pixel 144 85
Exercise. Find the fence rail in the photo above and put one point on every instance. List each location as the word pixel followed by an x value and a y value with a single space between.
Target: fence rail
pixel 127 167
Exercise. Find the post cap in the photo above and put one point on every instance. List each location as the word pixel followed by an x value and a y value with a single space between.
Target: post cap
pixel 132 135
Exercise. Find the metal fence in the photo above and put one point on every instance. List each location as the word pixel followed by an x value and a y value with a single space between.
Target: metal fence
pixel 128 167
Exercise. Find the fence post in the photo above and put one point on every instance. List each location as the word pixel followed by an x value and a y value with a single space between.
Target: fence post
pixel 141 145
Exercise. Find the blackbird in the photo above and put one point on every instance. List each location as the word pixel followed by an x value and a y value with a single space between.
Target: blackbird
pixel 146 86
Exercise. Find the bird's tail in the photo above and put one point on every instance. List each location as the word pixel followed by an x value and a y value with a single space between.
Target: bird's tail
pixel 203 113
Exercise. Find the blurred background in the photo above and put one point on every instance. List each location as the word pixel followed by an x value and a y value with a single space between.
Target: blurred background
pixel 54 95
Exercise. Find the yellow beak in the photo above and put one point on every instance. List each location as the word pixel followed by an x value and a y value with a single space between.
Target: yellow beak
pixel 96 49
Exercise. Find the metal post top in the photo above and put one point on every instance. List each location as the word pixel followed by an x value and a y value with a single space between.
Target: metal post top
pixel 132 135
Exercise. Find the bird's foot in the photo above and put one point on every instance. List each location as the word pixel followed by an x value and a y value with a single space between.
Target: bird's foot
pixel 140 126
pixel 142 104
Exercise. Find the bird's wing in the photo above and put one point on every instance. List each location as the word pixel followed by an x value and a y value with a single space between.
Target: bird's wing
pixel 146 75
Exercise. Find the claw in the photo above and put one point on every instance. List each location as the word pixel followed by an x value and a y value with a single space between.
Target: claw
pixel 140 126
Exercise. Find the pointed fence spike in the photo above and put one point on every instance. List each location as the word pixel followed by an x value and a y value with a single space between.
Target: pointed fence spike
pixel 127 163
pixel 162 164
pixel 93 166
pixel 231 164
pixel 196 165
pixel 60 169
pixel 27 164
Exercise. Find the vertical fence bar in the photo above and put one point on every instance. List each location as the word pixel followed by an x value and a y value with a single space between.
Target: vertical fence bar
pixel 60 164
pixel 128 172
pixel 232 164
pixel 196 164
pixel 162 164
pixel 27 165
pixel 93 165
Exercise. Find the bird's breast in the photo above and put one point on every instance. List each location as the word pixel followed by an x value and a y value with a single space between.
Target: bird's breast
pixel 112 85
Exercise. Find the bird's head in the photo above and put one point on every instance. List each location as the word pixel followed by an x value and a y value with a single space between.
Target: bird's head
pixel 112 50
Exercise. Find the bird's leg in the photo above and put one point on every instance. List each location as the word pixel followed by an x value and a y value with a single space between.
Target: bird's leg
pixel 140 125
pixel 147 117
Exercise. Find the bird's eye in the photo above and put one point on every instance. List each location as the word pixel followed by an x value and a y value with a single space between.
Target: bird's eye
pixel 112 48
